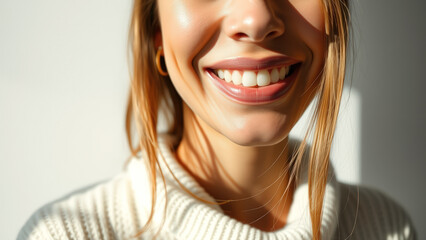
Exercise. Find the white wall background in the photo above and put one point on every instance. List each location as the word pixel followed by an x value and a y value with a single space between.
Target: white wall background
pixel 63 90
pixel 64 82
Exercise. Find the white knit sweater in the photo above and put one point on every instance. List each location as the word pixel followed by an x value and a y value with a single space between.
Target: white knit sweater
pixel 118 209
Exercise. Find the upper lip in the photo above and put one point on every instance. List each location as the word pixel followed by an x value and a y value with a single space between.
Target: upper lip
pixel 243 63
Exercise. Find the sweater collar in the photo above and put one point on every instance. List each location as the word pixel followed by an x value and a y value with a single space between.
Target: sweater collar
pixel 189 218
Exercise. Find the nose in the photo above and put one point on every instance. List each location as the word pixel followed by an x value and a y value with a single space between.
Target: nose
pixel 252 21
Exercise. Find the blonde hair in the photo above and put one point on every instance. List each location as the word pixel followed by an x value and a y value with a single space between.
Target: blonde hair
pixel 149 90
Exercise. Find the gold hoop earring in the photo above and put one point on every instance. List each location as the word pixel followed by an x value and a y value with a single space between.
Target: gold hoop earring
pixel 160 52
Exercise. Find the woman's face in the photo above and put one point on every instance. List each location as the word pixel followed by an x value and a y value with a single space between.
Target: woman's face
pixel 246 68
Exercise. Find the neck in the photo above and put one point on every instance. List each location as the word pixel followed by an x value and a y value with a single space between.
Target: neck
pixel 255 179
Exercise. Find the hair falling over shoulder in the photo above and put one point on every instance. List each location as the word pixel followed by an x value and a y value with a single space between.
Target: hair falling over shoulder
pixel 150 91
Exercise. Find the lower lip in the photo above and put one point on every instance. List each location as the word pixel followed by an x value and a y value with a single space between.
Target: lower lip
pixel 255 95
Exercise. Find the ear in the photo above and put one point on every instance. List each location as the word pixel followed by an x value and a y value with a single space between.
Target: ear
pixel 158 39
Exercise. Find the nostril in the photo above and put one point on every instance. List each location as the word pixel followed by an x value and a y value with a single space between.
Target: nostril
pixel 271 34
pixel 240 35
pixel 243 36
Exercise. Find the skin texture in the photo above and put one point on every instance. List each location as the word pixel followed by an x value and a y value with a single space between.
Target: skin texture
pixel 238 151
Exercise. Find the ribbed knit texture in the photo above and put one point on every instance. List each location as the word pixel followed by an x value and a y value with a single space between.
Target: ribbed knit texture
pixel 118 209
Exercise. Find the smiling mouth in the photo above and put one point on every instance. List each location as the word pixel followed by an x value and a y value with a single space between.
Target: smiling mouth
pixel 254 78
pixel 255 85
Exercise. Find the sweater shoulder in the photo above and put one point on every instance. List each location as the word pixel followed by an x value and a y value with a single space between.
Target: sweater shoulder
pixel 367 213
pixel 101 211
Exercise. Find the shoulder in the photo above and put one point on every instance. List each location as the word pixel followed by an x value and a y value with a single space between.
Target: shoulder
pixel 101 211
pixel 366 213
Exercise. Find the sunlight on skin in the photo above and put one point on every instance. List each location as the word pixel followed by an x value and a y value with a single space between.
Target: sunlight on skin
pixel 240 141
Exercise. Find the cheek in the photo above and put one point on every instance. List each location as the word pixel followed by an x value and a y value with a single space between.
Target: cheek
pixel 307 19
pixel 185 28
pixel 311 12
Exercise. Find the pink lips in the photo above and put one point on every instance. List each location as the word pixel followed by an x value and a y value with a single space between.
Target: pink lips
pixel 254 95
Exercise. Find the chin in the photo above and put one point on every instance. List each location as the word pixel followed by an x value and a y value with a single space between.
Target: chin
pixel 251 138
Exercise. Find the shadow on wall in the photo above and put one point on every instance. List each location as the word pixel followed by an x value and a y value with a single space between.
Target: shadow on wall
pixel 390 57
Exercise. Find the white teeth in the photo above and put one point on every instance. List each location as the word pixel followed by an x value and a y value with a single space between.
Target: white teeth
pixel 282 72
pixel 236 77
pixel 263 78
pixel 275 75
pixel 228 76
pixel 252 78
pixel 220 73
pixel 249 79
